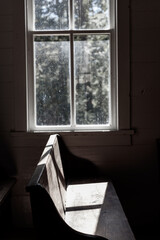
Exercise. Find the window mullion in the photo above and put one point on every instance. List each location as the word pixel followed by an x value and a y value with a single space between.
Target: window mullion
pixel 72 81
pixel 72 66
pixel 71 15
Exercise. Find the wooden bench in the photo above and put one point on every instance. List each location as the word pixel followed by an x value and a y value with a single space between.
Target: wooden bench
pixel 74 211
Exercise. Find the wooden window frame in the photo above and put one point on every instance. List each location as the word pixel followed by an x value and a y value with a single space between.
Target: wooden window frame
pixel 114 93
pixel 123 70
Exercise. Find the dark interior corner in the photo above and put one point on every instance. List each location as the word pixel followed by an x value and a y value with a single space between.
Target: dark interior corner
pixel 7 161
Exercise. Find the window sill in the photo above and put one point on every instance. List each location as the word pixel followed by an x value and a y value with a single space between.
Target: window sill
pixel 88 132
pixel 76 138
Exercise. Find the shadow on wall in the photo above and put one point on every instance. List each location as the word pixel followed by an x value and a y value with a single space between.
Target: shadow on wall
pixel 7 163
pixel 76 168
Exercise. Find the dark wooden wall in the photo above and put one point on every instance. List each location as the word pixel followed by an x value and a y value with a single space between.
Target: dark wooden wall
pixel 131 161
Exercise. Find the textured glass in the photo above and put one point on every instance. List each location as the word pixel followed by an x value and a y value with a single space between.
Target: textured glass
pixel 91 14
pixel 52 80
pixel 51 14
pixel 92 79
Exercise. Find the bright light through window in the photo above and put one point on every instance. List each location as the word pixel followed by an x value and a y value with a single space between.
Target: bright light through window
pixel 74 64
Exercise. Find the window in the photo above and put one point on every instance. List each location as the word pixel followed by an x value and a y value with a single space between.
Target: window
pixel 72 64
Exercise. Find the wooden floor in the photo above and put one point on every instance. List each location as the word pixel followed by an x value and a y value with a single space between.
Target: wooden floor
pixel 22 234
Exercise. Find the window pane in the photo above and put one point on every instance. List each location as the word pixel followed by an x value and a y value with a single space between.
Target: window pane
pixel 51 14
pixel 52 80
pixel 91 14
pixel 92 79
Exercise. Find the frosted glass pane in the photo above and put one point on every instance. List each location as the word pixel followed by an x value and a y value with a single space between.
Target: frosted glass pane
pixel 92 79
pixel 51 14
pixel 91 14
pixel 52 80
